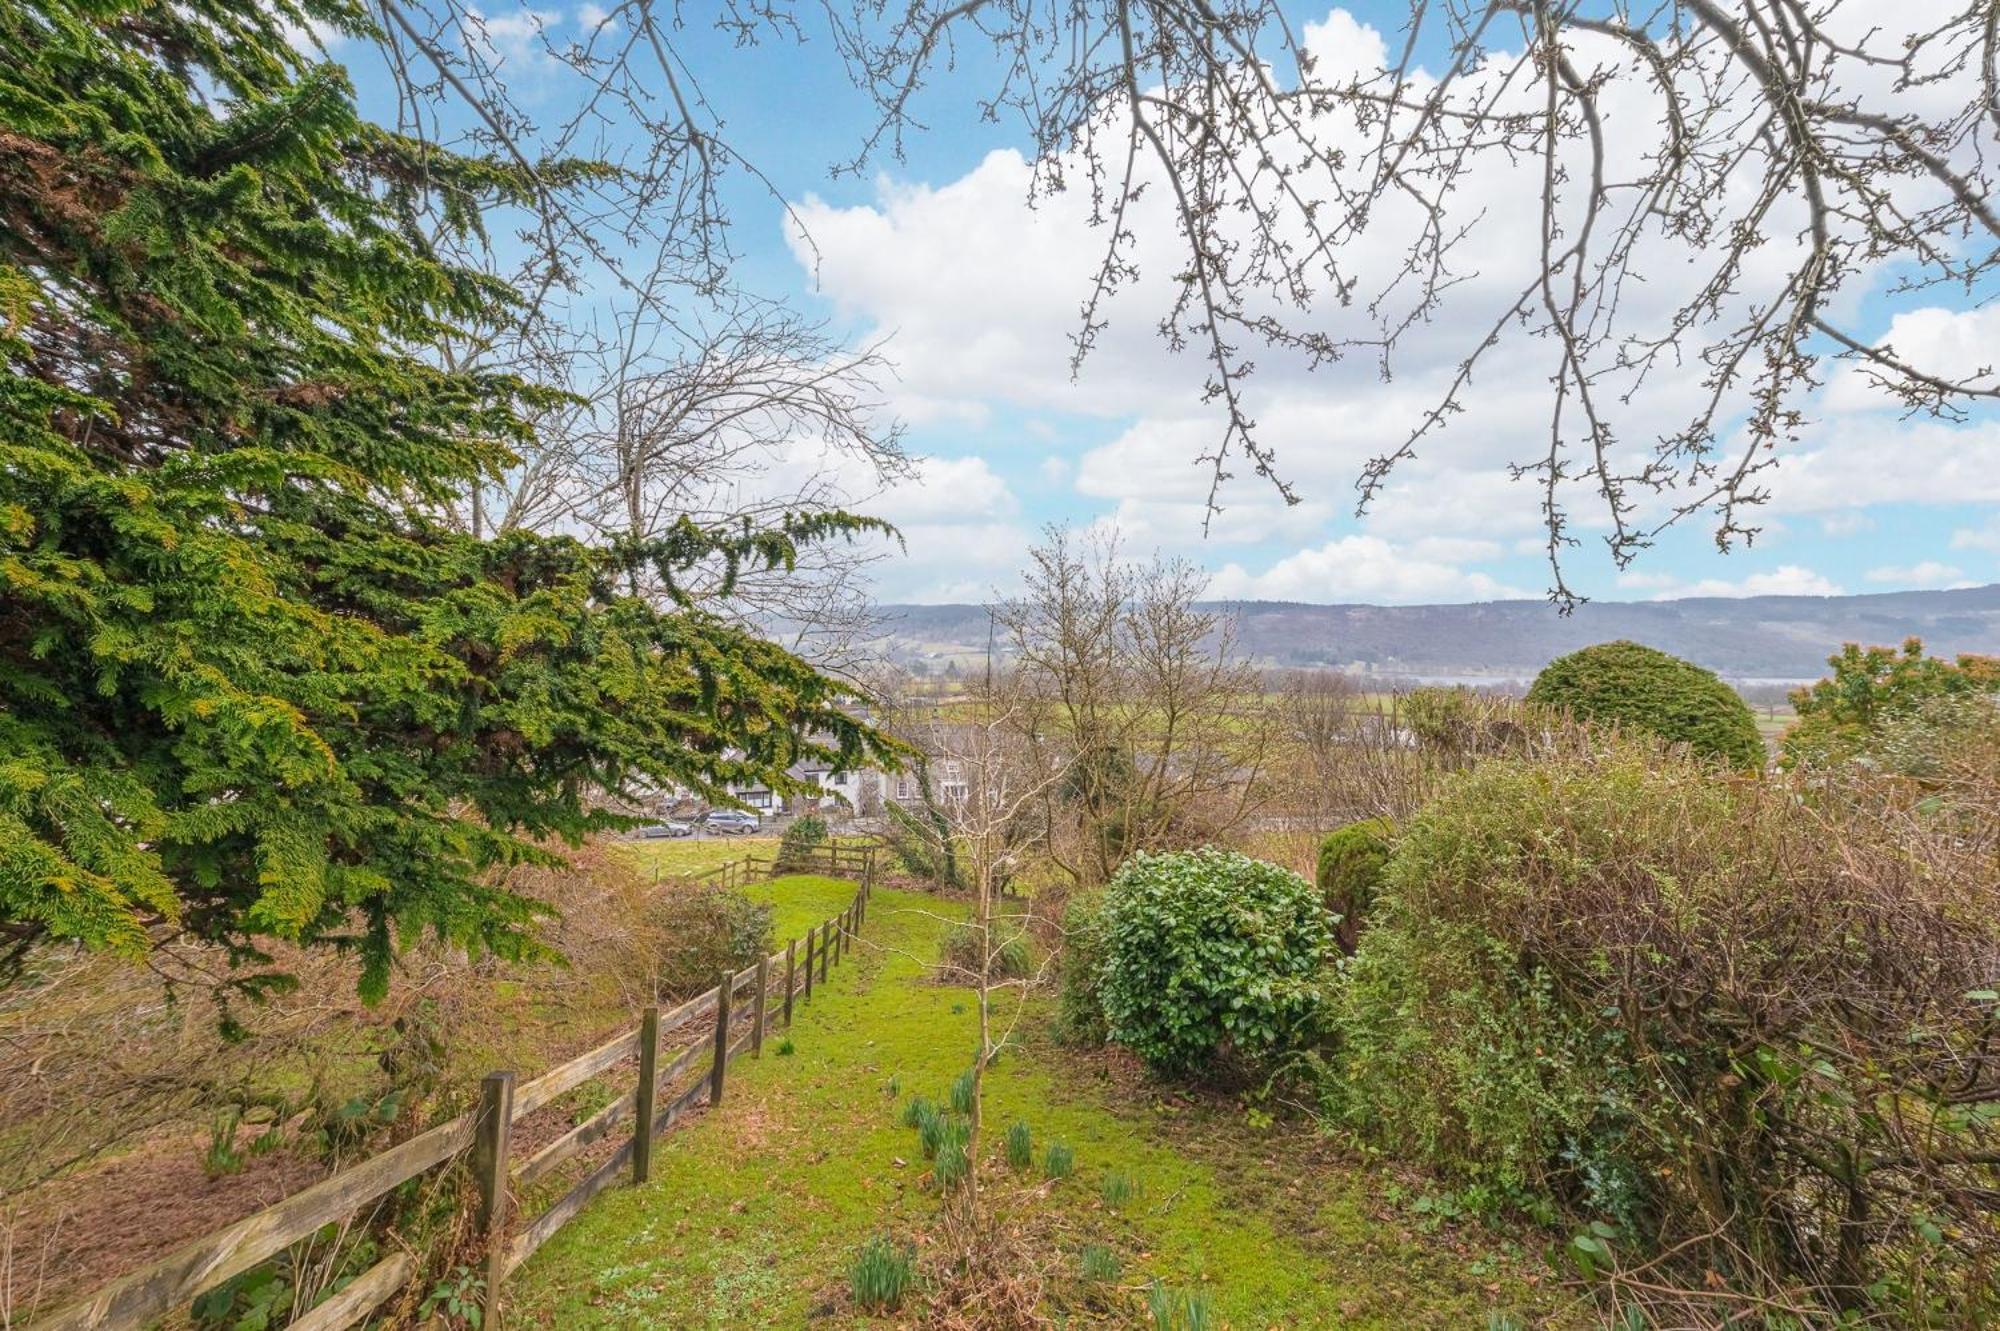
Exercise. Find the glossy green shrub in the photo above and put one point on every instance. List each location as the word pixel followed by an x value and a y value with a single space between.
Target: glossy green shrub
pixel 1211 956
pixel 1079 1011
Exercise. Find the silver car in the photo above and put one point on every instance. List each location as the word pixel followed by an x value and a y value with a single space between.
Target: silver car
pixel 734 822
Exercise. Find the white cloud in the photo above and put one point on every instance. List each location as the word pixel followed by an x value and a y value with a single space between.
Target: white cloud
pixel 1953 343
pixel 1978 538
pixel 1929 573
pixel 1359 568
pixel 946 489
pixel 1784 580
pixel 958 521
pixel 980 294
pixel 515 38
pixel 1855 462
pixel 315 37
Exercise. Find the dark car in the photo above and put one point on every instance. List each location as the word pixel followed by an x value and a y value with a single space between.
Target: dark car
pixel 732 821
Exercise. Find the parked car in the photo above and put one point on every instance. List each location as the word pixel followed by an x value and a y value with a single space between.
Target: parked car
pixel 734 822
pixel 668 828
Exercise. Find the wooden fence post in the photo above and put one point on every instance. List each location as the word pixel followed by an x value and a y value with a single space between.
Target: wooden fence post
pixel 791 976
pixel 757 1005
pixel 489 1163
pixel 721 1039
pixel 825 948
pixel 642 1131
pixel 809 965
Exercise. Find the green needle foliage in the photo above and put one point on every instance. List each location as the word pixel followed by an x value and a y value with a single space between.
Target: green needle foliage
pixel 1626 684
pixel 252 685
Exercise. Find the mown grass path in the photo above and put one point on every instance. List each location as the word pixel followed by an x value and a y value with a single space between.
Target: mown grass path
pixel 754 1212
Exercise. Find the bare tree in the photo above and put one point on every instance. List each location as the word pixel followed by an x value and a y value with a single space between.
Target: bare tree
pixel 990 815
pixel 765 415
pixel 1782 153
pixel 762 416
pixel 1121 680
pixel 1778 157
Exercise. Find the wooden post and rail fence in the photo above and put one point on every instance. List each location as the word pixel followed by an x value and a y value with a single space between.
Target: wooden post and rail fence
pixel 655 1102
pixel 831 859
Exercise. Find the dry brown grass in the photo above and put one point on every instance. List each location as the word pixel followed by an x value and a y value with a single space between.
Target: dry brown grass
pixel 111 1073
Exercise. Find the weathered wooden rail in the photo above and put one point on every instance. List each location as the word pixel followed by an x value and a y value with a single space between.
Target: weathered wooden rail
pixel 655 1103
pixel 831 859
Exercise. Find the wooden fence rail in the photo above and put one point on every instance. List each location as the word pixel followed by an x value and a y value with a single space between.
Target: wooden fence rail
pixel 832 859
pixel 654 1104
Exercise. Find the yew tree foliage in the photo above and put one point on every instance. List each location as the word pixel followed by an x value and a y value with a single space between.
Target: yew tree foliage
pixel 1628 684
pixel 250 686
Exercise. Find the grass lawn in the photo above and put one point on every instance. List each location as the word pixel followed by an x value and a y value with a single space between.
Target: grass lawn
pixel 674 856
pixel 668 857
pixel 800 902
pixel 755 1212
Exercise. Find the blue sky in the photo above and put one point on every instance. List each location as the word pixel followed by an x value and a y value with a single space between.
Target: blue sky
pixel 977 292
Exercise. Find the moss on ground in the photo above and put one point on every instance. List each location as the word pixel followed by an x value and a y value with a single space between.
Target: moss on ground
pixel 754 1213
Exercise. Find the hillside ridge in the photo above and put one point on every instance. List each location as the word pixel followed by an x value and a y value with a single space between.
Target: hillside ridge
pixel 1752 637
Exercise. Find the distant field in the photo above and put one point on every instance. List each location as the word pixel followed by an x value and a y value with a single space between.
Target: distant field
pixel 1772 721
pixel 678 857
pixel 673 857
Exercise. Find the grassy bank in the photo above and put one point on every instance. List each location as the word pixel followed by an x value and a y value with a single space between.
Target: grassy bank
pixel 755 1212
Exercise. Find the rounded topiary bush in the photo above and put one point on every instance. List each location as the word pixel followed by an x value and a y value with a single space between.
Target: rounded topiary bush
pixel 1351 861
pixel 1210 955
pixel 1640 687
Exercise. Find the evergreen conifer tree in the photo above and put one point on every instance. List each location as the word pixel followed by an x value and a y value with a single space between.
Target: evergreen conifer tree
pixel 250 686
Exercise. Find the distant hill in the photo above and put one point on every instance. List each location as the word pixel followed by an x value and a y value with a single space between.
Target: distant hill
pixel 1756 637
